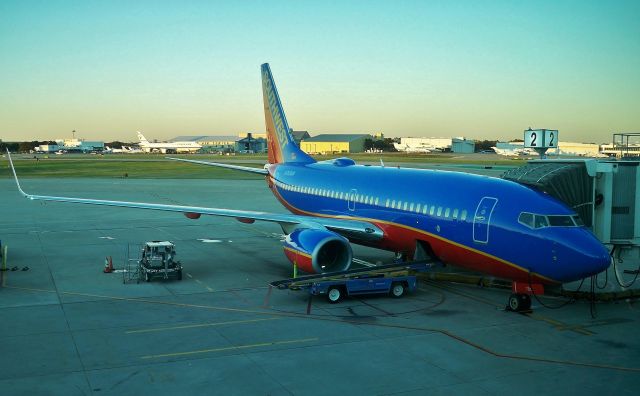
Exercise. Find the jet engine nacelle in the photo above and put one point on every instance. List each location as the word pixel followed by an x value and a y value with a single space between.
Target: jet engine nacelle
pixel 318 251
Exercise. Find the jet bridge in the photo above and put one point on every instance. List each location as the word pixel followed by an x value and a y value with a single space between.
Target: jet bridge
pixel 606 195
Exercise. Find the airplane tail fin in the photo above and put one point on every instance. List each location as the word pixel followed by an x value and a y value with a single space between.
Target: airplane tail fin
pixel 281 145
pixel 142 138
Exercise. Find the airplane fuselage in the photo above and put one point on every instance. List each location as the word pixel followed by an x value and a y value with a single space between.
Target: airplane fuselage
pixel 467 220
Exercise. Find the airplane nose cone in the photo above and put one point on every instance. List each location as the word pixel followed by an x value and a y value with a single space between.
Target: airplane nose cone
pixel 595 257
pixel 579 255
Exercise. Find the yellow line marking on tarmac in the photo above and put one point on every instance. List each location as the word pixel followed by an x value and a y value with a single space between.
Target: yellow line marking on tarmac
pixel 198 325
pixel 231 348
pixel 210 289
pixel 293 315
pixel 189 275
pixel 199 281
pixel 559 325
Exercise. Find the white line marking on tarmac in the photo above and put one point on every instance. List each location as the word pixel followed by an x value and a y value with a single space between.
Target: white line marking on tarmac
pixel 203 240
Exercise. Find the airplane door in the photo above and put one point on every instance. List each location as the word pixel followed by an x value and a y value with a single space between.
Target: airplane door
pixel 482 219
pixel 352 199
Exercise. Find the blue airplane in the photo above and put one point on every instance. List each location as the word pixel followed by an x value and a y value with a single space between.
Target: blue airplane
pixel 486 224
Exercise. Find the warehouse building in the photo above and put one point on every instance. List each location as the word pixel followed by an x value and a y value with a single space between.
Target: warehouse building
pixel 335 143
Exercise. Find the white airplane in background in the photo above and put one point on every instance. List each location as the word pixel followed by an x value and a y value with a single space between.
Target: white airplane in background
pixel 516 152
pixel 123 150
pixel 414 149
pixel 168 147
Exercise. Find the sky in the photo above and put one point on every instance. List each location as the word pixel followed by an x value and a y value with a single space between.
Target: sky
pixel 479 69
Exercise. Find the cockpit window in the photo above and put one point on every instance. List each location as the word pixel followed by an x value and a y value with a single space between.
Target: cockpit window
pixel 536 221
pixel 526 219
pixel 541 221
pixel 561 221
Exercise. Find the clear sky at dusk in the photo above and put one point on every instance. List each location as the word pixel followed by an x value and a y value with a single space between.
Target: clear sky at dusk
pixel 480 69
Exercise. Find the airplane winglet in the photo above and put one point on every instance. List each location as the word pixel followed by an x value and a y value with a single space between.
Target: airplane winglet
pixel 15 176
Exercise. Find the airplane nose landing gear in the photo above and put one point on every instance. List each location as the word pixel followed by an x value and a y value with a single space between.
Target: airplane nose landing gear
pixel 520 299
pixel 519 302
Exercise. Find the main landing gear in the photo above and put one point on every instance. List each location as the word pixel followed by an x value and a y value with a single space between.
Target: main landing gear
pixel 520 299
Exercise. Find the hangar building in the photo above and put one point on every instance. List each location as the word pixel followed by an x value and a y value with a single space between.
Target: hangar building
pixel 335 143
pixel 463 146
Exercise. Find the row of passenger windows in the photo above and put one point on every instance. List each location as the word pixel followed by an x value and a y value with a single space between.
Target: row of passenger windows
pixel 535 221
pixel 425 209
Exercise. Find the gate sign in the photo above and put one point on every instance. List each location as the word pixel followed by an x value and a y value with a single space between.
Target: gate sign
pixel 541 138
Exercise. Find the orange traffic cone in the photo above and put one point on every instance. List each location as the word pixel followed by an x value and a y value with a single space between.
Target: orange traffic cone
pixel 108 265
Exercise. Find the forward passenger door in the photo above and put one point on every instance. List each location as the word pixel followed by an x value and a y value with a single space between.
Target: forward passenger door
pixel 482 219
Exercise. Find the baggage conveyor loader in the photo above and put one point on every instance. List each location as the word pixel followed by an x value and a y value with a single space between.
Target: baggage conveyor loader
pixel 393 279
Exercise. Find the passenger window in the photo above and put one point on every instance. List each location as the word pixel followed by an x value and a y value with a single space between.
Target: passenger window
pixel 405 206
pixel 393 204
pixel 376 201
pixel 439 211
pixel 446 212
pixel 418 208
pixel 526 219
pixel 424 209
pixel 411 207
pixel 455 214
pixel 399 205
pixel 432 210
pixel 463 215
pixel 386 204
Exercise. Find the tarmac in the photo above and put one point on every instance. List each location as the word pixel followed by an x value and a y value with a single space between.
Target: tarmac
pixel 70 329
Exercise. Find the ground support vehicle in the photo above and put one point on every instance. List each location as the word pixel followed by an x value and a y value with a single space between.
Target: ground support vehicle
pixel 393 279
pixel 158 261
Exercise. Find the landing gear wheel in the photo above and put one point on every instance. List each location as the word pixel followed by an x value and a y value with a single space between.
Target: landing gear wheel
pixel 397 289
pixel 519 302
pixel 334 295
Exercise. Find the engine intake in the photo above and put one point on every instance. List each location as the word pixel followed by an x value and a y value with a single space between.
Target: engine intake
pixel 318 251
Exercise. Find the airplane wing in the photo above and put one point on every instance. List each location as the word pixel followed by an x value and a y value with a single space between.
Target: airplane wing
pixel 349 228
pixel 261 171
